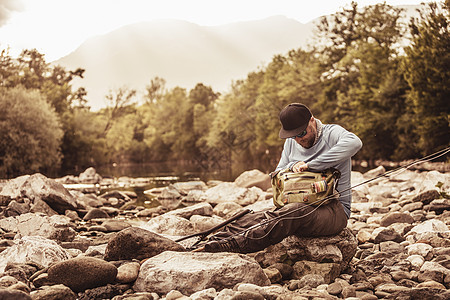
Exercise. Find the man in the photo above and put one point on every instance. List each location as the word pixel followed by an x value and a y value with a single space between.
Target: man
pixel 310 145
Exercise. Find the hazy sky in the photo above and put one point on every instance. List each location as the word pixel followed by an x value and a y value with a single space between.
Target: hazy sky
pixel 57 27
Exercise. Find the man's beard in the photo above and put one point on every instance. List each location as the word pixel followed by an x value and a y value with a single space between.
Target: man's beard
pixel 307 143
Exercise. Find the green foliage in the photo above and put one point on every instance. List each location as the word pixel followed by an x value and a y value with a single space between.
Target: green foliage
pixel 427 71
pixel 83 145
pixel 30 133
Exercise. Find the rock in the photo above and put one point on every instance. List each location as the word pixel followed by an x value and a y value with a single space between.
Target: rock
pixel 420 293
pixel 12 189
pixel 427 196
pixel 21 271
pixel 21 286
pixel 391 247
pixel 37 186
pixel 412 207
pixel 194 196
pixel 429 226
pixel 169 193
pixel 424 250
pixel 128 272
pixel 252 178
pixel 348 292
pixel 13 294
pixel 273 274
pixel 261 205
pixel 338 249
pixel 53 292
pixel 138 243
pixel 284 269
pixel 15 208
pixel 396 217
pixel 202 209
pixel 7 281
pixel 83 273
pixel 328 271
pixel 185 187
pixel 226 209
pixel 334 288
pixel 141 296
pixel 33 249
pixel 383 234
pixel 431 284
pixel 104 292
pixel 311 280
pixel 41 280
pixel 416 260
pixel 89 176
pixel 115 225
pixel 95 213
pixel 204 294
pixel 169 225
pixel 122 195
pixel 438 205
pixel 40 206
pixel 433 271
pixel 202 223
pixel 193 272
pixel 374 172
pixel 56 227
pixel 228 191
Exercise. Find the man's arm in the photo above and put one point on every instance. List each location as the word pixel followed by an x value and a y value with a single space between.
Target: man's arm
pixel 343 145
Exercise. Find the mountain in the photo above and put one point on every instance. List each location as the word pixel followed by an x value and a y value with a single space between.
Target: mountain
pixel 182 53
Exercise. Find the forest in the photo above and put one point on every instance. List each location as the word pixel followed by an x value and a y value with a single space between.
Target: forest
pixel 369 70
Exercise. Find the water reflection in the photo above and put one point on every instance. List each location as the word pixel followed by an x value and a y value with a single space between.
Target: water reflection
pixel 154 175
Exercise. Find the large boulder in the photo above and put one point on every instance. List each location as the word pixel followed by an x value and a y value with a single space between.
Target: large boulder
pixel 203 209
pixel 33 249
pixel 38 187
pixel 229 191
pixel 83 273
pixel 56 227
pixel 254 178
pixel 338 249
pixel 138 243
pixel 192 272
pixel 11 190
pixel 168 224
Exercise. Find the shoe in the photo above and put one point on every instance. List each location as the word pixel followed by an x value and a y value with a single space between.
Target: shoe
pixel 224 245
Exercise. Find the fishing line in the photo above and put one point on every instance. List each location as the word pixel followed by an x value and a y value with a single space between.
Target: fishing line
pixel 277 219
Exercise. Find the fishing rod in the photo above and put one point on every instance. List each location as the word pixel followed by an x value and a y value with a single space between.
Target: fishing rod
pixel 284 216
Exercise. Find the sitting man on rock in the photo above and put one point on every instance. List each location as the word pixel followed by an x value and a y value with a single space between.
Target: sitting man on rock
pixel 310 145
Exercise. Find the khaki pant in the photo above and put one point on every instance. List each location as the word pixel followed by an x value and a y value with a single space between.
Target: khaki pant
pixel 293 219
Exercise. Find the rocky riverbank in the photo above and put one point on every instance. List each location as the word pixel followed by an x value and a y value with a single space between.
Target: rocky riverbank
pixel 58 242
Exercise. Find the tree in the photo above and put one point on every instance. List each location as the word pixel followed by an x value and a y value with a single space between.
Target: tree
pixel 427 71
pixel 155 90
pixel 119 102
pixel 30 133
pixel 202 111
pixel 343 40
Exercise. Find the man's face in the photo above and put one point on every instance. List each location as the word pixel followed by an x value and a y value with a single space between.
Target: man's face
pixel 308 140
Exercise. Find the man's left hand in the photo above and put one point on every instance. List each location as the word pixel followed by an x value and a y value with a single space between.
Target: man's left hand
pixel 300 166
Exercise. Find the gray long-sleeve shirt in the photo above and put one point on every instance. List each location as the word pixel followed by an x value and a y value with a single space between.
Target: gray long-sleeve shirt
pixel 334 148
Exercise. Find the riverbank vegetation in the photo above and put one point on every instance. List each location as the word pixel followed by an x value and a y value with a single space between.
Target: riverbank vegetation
pixel 367 70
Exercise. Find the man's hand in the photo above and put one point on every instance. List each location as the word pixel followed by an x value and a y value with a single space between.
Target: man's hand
pixel 299 166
